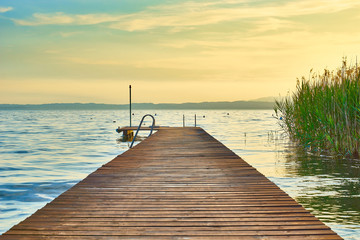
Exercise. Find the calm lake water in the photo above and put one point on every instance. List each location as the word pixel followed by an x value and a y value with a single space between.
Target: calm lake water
pixel 43 153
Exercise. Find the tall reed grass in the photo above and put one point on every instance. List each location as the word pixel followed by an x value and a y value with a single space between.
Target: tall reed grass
pixel 324 111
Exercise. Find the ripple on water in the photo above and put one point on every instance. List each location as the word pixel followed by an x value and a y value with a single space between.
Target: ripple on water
pixel 20 152
pixel 32 192
pixel 3 169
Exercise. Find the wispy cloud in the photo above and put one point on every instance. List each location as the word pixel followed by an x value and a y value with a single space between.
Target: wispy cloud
pixel 5 9
pixel 200 14
pixel 69 34
pixel 90 61
pixel 188 15
pixel 273 24
pixel 61 18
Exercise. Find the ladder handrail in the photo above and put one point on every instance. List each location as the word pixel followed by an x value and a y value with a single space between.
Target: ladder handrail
pixel 137 131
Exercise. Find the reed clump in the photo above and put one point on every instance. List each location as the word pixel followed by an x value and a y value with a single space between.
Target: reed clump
pixel 323 113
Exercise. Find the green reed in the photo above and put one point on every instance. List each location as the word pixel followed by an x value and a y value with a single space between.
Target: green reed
pixel 324 111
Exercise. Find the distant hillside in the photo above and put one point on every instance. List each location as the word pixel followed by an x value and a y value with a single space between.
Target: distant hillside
pixel 264 99
pixel 99 106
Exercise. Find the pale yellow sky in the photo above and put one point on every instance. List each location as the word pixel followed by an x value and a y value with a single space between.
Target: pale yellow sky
pixel 176 51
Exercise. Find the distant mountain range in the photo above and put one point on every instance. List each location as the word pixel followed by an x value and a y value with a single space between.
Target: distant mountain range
pixel 99 106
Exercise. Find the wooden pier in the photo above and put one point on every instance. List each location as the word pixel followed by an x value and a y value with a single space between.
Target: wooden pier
pixel 180 183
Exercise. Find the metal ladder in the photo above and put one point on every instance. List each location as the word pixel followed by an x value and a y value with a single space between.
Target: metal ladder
pixel 137 131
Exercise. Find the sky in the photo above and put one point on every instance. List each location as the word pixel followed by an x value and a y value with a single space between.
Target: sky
pixel 64 51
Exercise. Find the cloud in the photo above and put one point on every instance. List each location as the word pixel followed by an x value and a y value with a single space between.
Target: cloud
pixel 61 18
pixel 273 24
pixel 188 15
pixel 200 14
pixel 89 61
pixel 5 9
pixel 69 34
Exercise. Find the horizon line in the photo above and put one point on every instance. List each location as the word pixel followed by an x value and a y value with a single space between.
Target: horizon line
pixel 253 100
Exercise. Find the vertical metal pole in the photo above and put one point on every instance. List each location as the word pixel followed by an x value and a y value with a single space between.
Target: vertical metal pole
pixel 130 102
pixel 195 120
pixel 183 120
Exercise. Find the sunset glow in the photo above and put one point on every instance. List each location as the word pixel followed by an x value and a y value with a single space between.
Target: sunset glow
pixel 169 51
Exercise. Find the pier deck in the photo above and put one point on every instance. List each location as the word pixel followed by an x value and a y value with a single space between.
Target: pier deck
pixel 180 183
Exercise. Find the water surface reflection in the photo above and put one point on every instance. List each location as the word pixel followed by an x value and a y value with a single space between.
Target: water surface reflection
pixel 329 187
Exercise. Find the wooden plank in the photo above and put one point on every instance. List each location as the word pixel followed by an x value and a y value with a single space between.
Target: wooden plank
pixel 154 222
pixel 149 237
pixel 180 183
pixel 156 231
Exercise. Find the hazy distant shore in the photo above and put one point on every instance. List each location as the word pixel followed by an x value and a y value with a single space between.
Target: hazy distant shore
pixel 141 106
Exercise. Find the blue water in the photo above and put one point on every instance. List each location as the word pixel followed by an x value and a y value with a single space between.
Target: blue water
pixel 43 153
